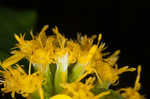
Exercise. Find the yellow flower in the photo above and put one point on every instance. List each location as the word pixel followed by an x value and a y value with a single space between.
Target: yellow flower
pixel 73 51
pixel 85 42
pixel 106 73
pixel 132 93
pixel 88 53
pixel 17 81
pixel 105 68
pixel 26 47
pixel 87 58
pixel 63 46
pixel 109 74
pixel 42 56
pixel 78 90
pixel 87 49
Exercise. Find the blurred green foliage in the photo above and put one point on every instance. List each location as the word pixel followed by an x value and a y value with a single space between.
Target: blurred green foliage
pixel 14 21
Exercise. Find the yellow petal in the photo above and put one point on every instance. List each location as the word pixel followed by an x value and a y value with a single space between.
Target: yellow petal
pixel 12 60
pixel 137 84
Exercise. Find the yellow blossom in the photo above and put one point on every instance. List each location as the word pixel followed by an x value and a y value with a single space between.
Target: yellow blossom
pixel 42 56
pixel 85 57
pixel 26 47
pixel 109 74
pixel 132 93
pixel 63 46
pixel 78 90
pixel 85 42
pixel 105 68
pixel 74 50
pixel 87 49
pixel 17 81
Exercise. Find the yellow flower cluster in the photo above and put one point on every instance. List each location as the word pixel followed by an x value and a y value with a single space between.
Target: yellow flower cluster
pixel 85 57
pixel 132 93
pixel 16 80
pixel 78 90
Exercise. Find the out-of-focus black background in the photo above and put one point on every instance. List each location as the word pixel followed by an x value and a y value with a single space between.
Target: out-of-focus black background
pixel 125 25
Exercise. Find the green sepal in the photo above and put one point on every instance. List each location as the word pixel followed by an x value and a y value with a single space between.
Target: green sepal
pixel 59 80
pixel 104 85
pixel 112 95
pixel 48 88
pixel 77 71
pixel 61 74
pixel 34 95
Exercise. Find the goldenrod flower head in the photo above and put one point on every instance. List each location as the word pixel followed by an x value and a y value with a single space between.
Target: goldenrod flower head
pixel 87 49
pixel 17 81
pixel 87 58
pixel 36 48
pixel 79 90
pixel 129 93
pixel 51 57
pixel 26 47
pixel 105 68
pixel 109 74
pixel 61 39
pixel 85 42
pixel 31 83
pixel 132 93
pixel 12 76
pixel 42 56
pixel 73 51
pixel 63 46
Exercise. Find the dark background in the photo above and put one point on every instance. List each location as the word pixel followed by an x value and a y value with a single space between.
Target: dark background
pixel 125 25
